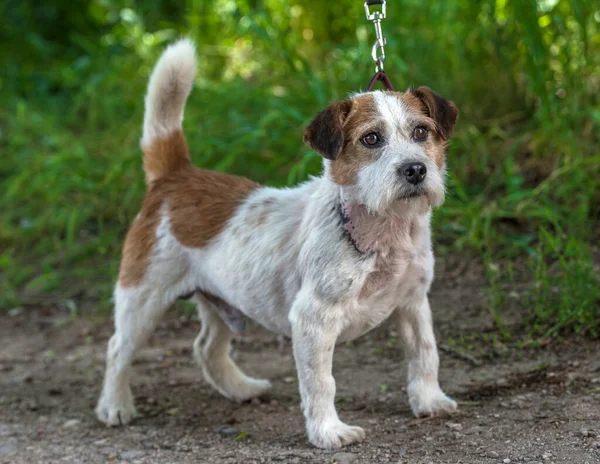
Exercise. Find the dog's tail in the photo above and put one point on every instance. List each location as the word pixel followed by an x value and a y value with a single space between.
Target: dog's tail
pixel 163 143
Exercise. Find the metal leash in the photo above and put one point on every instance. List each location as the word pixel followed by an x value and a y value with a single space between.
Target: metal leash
pixel 378 51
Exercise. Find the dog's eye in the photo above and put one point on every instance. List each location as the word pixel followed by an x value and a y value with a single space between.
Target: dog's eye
pixel 371 140
pixel 420 134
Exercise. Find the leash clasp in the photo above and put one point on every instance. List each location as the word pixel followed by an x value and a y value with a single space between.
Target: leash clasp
pixel 377 52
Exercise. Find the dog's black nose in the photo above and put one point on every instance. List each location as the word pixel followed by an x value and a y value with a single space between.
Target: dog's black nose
pixel 415 173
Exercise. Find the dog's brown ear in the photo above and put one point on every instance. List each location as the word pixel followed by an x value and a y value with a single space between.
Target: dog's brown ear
pixel 442 111
pixel 325 133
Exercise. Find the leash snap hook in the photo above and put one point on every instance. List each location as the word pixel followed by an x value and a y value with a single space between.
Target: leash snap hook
pixel 378 54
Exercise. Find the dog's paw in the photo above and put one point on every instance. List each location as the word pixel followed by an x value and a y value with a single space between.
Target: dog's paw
pixel 238 386
pixel 334 434
pixel 113 413
pixel 249 388
pixel 430 401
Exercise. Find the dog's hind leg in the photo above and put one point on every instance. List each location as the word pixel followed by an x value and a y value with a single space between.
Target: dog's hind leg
pixel 211 350
pixel 137 311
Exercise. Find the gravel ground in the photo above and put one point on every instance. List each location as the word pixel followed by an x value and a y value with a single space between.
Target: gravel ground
pixel 520 406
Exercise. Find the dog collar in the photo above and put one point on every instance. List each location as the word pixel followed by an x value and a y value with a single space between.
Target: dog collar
pixel 350 229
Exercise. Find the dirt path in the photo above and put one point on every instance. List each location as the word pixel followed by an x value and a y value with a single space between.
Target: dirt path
pixel 526 407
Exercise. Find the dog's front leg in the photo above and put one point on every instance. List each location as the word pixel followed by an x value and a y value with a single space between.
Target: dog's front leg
pixel 415 327
pixel 314 334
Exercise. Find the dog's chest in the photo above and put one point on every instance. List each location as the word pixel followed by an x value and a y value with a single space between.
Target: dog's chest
pixel 392 283
pixel 401 273
pixel 397 279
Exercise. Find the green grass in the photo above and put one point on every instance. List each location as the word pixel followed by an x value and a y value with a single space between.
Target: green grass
pixel 524 163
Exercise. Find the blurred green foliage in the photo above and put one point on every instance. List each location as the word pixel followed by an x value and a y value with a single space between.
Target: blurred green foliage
pixel 524 165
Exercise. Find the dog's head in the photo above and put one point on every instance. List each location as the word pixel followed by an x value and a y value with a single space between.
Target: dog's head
pixel 385 147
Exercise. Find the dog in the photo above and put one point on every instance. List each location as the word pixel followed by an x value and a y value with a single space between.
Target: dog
pixel 322 263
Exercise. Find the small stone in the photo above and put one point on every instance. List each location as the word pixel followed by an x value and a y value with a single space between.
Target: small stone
pixel 227 430
pixel 288 379
pixel 454 426
pixel 474 430
pixel 15 312
pixel 128 455
pixel 583 432
pixel 502 382
pixel 344 458
pixel 546 456
pixel 428 438
pixel 8 447
pixel 597 445
pixel 493 454
pixel 71 423
pixel 506 460
pixel 32 405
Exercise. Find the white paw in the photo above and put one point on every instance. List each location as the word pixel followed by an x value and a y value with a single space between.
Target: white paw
pixel 334 434
pixel 248 389
pixel 430 401
pixel 114 413
pixel 230 381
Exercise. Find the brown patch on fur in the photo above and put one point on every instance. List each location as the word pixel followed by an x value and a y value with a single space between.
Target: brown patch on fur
pixel 443 112
pixel 412 101
pixel 354 155
pixel 438 108
pixel 139 244
pixel 165 155
pixel 435 146
pixel 438 154
pixel 200 202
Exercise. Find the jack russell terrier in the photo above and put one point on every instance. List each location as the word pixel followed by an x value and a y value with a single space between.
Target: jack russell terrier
pixel 322 263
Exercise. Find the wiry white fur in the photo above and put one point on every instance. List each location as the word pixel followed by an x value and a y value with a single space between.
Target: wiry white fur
pixel 297 273
pixel 168 88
